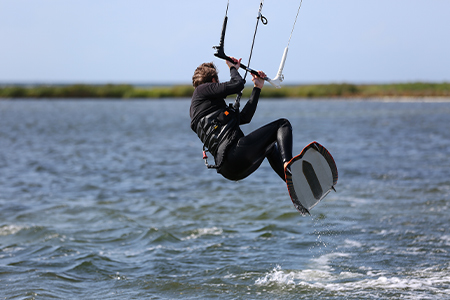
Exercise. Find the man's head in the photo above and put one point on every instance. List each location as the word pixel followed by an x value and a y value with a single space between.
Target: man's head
pixel 206 72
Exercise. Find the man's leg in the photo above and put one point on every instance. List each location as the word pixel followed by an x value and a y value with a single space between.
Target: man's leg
pixel 273 141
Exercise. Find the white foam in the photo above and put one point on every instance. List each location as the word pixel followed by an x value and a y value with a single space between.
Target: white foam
pixel 313 278
pixel 365 280
pixel 203 231
pixel 446 239
pixel 10 229
pixel 352 244
pixel 322 262
pixel 277 276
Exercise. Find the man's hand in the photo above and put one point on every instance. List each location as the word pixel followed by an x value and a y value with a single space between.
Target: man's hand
pixel 237 63
pixel 258 80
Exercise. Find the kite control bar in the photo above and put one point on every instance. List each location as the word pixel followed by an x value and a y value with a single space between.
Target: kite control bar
pixel 220 53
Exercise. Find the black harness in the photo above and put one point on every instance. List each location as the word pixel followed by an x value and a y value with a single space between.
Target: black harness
pixel 215 128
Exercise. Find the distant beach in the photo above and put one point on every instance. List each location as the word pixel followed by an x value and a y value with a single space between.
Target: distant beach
pixel 128 91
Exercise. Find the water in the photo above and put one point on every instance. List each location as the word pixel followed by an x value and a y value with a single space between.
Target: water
pixel 111 200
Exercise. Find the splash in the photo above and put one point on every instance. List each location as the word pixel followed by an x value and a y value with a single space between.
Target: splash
pixel 422 282
pixel 277 276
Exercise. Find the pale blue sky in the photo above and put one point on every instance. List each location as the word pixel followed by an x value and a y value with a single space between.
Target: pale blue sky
pixel 137 41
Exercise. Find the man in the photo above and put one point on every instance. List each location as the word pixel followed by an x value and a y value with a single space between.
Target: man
pixel 217 125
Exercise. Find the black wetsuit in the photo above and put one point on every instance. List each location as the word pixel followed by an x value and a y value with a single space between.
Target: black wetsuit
pixel 238 155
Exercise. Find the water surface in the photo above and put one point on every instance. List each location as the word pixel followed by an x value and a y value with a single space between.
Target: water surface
pixel 111 200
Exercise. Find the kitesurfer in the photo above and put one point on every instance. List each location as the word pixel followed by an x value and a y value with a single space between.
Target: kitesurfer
pixel 217 125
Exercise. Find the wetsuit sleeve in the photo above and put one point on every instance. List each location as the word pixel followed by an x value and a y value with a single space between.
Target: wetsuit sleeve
pixel 249 109
pixel 222 90
pixel 236 83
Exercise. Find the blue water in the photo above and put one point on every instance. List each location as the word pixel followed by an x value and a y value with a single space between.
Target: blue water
pixel 111 200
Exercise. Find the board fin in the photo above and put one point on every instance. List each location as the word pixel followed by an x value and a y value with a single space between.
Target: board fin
pixel 310 176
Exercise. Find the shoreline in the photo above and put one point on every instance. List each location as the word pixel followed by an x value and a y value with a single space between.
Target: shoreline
pixel 343 99
pixel 314 91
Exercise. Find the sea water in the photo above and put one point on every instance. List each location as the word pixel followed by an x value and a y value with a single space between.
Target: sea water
pixel 111 200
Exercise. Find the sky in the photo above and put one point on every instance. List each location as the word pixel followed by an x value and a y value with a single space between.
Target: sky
pixel 162 42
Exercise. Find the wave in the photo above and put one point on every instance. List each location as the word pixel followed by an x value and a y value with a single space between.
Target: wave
pixel 419 284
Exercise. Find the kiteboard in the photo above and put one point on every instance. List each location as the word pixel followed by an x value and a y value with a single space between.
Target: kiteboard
pixel 310 176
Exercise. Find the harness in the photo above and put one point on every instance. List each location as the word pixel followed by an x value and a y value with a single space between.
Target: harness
pixel 214 128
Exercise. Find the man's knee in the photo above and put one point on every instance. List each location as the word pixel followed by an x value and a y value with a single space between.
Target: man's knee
pixel 285 123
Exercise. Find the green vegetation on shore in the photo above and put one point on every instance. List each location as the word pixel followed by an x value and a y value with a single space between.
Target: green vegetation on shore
pixel 124 91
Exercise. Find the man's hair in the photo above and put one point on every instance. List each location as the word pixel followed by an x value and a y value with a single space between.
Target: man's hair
pixel 206 72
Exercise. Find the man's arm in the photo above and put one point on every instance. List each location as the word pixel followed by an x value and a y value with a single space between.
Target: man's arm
pixel 233 86
pixel 249 109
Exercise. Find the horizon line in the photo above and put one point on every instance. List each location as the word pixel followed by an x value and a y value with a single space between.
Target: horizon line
pixel 168 84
